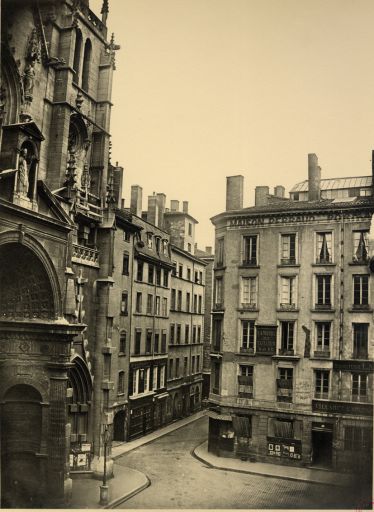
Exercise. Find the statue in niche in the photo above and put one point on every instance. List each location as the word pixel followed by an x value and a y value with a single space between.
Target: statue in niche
pixel 28 81
pixel 23 174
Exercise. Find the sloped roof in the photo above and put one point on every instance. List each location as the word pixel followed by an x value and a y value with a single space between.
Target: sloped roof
pixel 336 183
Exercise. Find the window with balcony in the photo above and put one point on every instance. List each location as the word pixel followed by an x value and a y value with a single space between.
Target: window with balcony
pixel 358 439
pixel 284 384
pixel 323 336
pixel 217 334
pixel 220 252
pixel 321 389
pixel 148 342
pixel 287 296
pixel 287 338
pixel 288 249
pixel 360 291
pixel 138 304
pixel 360 341
pixel 150 274
pixel 125 264
pixel 250 250
pixel 249 292
pixel 359 387
pixel 323 291
pixel 360 246
pixel 324 247
pixel 245 381
pixel 139 271
pixel 124 303
pixel 247 336
pixel 218 293
pixel 138 341
pixel 121 383
pixel 149 304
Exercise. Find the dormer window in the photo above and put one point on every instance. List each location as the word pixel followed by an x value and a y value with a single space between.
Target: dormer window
pixel 165 247
pixel 149 240
pixel 158 243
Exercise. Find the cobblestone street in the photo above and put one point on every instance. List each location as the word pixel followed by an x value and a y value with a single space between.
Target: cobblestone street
pixel 178 480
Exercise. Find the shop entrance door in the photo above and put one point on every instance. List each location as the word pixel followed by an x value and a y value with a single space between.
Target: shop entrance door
pixel 322 446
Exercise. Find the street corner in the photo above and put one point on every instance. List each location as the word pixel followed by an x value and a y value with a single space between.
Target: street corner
pixel 127 482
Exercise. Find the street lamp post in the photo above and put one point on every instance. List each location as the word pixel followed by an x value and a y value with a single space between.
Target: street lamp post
pixel 104 494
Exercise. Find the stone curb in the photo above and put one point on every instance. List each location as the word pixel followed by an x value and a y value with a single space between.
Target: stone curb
pixel 125 497
pixel 268 475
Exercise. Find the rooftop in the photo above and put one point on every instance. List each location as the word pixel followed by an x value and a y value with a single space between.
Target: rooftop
pixel 336 183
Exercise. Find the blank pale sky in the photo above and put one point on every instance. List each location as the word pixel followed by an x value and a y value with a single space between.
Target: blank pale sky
pixel 206 89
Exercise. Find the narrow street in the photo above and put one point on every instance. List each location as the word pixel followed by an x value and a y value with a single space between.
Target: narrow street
pixel 178 480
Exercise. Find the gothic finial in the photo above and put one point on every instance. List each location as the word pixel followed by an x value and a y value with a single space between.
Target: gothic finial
pixel 71 174
pixel 112 47
pixel 110 197
pixel 105 11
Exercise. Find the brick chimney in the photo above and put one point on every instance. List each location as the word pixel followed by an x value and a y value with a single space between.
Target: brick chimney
pixel 261 195
pixel 208 249
pixel 174 205
pixel 152 215
pixel 234 192
pixel 314 178
pixel 185 206
pixel 161 201
pixel 136 200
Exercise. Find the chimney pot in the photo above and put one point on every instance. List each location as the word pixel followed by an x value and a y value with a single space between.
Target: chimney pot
pixel 136 200
pixel 152 215
pixel 279 191
pixel 161 201
pixel 174 205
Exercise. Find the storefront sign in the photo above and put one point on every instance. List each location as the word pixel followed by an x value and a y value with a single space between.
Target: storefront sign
pixel 342 407
pixel 288 448
pixel 353 366
pixel 266 339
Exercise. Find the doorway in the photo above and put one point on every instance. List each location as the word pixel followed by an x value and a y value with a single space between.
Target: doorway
pixel 322 447
pixel 119 426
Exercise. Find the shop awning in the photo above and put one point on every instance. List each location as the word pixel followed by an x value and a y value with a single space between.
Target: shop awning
pixel 218 416
pixel 242 426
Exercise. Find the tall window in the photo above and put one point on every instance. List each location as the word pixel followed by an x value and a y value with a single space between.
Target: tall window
pixel 217 334
pixel 156 346
pixel 179 300
pixel 189 229
pixel 360 341
pixel 149 240
pixel 165 306
pixel 187 333
pixel 162 376
pixel 197 363
pixel 180 271
pixel 163 342
pixel 148 342
pixel 216 374
pixel 359 387
pixel 86 65
pixel 188 302
pixel 158 305
pixel 250 250
pixel 284 384
pixel 249 291
pixel 124 303
pixel 77 55
pixel 179 328
pixel 194 334
pixel 138 340
pixel 125 264
pixel 122 342
pixel 245 381
pixel 220 252
pixel 185 366
pixel 149 304
pixel 360 246
pixel 324 247
pixel 288 292
pixel 200 308
pixel 219 291
pixel 171 368
pixel 321 384
pixel 158 277
pixel 189 274
pixel 195 303
pixel 139 273
pixel 288 249
pixel 150 273
pixel 248 335
pixel 166 278
pixel 361 290
pixel 358 439
pixel 173 295
pixel 193 364
pixel 287 337
pixel 121 383
pixel 323 335
pixel 199 334
pixel 323 291
pixel 138 305
pixel 155 375
pixel 172 334
pixel 177 369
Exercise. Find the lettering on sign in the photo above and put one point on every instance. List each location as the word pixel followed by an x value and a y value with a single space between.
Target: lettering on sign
pixel 288 448
pixel 266 339
pixel 342 407
pixel 353 366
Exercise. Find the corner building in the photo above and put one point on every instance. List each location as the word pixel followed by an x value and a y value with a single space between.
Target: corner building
pixel 292 343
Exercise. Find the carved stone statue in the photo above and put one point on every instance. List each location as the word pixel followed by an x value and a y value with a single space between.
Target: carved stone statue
pixel 23 174
pixel 28 81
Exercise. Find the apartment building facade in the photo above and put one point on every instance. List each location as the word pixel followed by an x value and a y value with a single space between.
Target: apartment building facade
pixel 292 343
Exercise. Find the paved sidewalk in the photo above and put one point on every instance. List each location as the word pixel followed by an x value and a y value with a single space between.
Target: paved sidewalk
pixel 126 483
pixel 122 448
pixel 318 476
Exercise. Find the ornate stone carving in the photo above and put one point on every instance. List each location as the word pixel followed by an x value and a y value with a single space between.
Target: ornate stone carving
pixel 111 49
pixel 23 174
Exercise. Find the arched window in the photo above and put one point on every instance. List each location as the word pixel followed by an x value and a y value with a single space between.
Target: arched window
pixel 77 55
pixel 86 64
